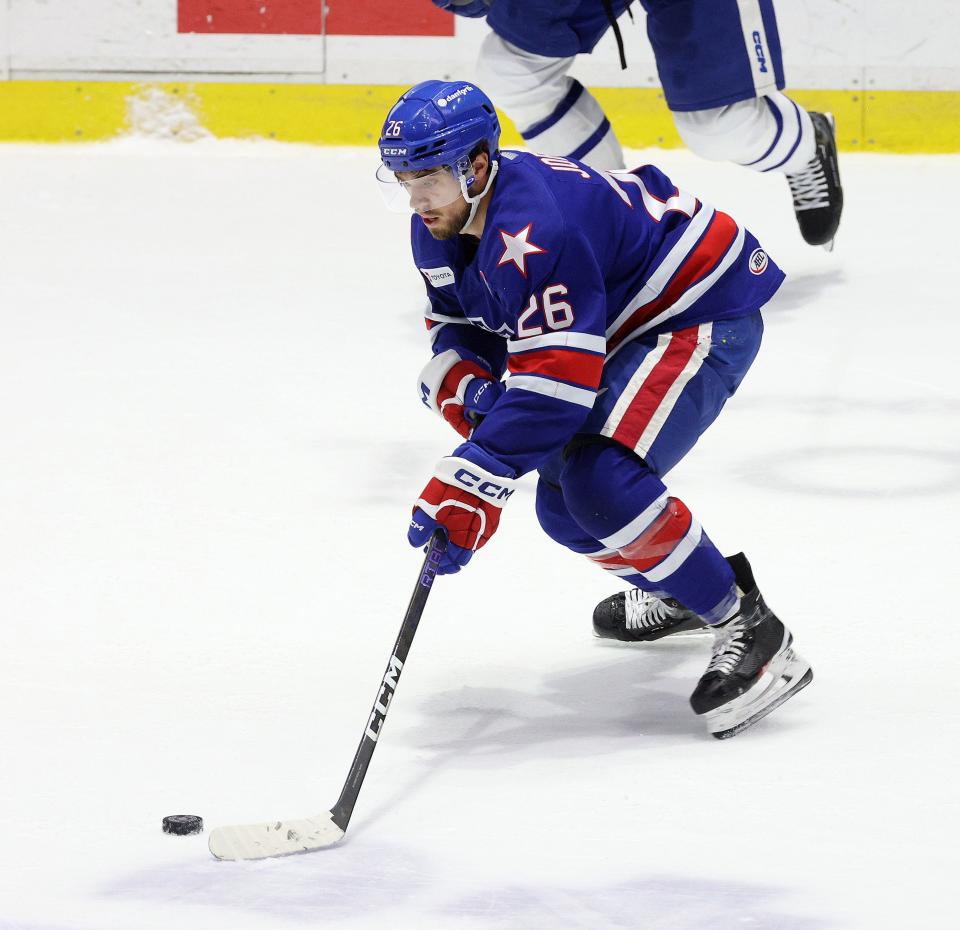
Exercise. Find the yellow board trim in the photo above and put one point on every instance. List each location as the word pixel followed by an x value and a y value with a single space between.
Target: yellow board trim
pixel 339 114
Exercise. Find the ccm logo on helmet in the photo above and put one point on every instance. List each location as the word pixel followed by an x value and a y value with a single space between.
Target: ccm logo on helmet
pixel 486 488
pixel 393 151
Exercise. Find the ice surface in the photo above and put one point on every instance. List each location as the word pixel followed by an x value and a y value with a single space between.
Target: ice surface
pixel 211 439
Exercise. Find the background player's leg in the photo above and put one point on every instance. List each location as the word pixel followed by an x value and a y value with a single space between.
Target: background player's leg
pixel 768 133
pixel 772 133
pixel 722 72
pixel 555 114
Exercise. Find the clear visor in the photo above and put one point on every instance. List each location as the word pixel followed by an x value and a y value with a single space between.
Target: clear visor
pixel 420 194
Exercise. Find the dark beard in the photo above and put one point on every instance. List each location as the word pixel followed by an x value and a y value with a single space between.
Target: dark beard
pixel 452 230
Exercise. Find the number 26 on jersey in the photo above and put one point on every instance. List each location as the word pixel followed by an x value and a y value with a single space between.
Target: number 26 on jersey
pixel 546 313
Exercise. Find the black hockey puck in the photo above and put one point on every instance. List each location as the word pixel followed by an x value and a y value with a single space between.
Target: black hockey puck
pixel 183 824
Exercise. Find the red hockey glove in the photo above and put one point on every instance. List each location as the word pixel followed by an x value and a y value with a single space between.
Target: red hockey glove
pixel 459 387
pixel 465 497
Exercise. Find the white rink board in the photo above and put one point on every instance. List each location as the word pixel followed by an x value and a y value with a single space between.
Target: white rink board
pixel 212 441
pixel 875 44
pixel 117 38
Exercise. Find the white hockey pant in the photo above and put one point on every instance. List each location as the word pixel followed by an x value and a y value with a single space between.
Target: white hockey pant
pixel 532 90
pixel 769 133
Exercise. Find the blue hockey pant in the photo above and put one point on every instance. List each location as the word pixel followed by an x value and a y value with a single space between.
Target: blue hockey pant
pixel 604 495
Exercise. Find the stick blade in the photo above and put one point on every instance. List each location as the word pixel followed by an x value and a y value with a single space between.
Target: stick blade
pixel 275 838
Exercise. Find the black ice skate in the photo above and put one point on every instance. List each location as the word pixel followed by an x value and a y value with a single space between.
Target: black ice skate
pixel 754 668
pixel 817 194
pixel 635 616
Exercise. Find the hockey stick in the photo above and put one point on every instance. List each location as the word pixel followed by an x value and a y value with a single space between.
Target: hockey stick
pixel 285 837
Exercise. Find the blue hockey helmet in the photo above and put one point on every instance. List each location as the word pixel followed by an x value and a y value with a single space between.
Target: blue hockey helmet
pixel 437 125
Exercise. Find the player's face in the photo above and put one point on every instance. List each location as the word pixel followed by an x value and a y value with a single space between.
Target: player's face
pixel 446 222
pixel 435 196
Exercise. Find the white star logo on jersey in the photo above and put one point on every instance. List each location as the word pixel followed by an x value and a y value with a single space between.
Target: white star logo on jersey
pixel 516 248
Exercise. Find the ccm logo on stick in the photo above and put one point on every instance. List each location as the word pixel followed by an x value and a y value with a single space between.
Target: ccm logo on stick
pixel 486 488
pixel 380 709
pixel 430 568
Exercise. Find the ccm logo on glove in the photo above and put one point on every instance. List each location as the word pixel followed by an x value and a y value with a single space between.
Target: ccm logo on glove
pixel 460 387
pixel 464 498
pixel 483 486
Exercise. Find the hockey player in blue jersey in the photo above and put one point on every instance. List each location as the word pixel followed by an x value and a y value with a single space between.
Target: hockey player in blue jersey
pixel 588 325
pixel 721 68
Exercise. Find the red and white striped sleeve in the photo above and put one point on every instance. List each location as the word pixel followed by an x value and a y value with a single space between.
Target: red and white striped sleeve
pixel 564 365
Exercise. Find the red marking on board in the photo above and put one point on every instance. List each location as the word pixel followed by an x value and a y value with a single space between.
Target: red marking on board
pixel 305 17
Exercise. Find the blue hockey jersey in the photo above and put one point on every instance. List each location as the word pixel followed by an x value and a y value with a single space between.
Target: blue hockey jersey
pixel 572 266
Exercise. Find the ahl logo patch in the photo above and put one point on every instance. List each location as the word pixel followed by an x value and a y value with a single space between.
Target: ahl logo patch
pixel 758 261
pixel 438 277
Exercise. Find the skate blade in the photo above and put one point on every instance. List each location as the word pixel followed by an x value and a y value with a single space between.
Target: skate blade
pixel 828 246
pixel 787 674
pixel 697 631
pixel 684 629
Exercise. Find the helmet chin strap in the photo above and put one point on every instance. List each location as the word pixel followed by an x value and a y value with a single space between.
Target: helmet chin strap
pixel 475 201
